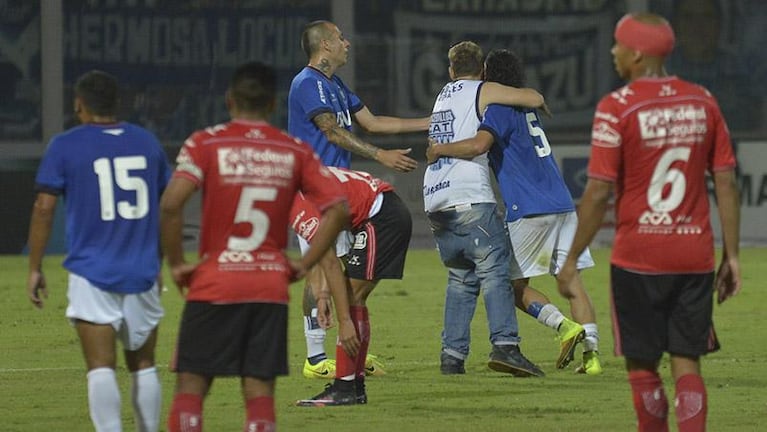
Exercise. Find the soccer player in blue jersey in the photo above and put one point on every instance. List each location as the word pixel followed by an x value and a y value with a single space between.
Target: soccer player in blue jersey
pixel 111 175
pixel 540 213
pixel 321 109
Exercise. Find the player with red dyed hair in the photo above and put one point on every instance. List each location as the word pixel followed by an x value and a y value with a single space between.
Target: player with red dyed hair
pixel 653 142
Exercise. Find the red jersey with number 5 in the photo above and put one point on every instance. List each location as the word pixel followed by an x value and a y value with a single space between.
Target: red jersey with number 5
pixel 361 190
pixel 249 173
pixel 655 139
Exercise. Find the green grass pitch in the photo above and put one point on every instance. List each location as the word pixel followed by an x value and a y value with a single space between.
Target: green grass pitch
pixel 42 374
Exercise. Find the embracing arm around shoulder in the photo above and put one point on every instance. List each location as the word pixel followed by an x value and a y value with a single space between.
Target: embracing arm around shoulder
pixel 494 93
pixel 390 125
pixel 463 149
pixel 728 278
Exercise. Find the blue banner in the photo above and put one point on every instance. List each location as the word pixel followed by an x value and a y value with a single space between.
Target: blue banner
pixel 174 63
pixel 20 95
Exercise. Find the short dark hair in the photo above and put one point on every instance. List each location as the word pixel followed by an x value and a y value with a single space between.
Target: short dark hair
pixel 505 67
pixel 313 33
pixel 98 91
pixel 465 58
pixel 253 87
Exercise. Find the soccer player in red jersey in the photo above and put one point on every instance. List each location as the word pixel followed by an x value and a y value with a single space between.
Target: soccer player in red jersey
pixel 653 141
pixel 381 227
pixel 249 173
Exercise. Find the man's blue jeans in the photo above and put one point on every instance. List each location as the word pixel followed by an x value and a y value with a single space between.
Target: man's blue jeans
pixel 474 245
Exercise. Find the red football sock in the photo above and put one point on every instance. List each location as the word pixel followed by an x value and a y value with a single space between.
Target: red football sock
pixel 345 365
pixel 185 413
pixel 691 403
pixel 362 323
pixel 650 401
pixel 260 412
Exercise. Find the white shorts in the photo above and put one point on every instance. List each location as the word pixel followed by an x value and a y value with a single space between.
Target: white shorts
pixel 541 243
pixel 343 243
pixel 133 316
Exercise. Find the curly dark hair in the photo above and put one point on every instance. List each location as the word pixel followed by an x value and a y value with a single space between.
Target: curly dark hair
pixel 505 67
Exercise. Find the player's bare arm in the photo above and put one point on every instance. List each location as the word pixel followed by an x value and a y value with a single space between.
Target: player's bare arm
pixel 338 285
pixel 728 278
pixel 395 159
pixel 463 149
pixel 177 193
pixel 591 212
pixel 40 226
pixel 317 288
pixel 390 125
pixel 334 219
pixel 495 93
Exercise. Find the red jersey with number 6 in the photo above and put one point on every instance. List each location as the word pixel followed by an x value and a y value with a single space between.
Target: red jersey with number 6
pixel 655 139
pixel 361 190
pixel 249 173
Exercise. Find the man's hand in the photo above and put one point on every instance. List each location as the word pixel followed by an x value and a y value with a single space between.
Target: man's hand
pixel 181 274
pixel 36 288
pixel 396 159
pixel 728 280
pixel 565 277
pixel 431 152
pixel 297 270
pixel 545 109
pixel 347 335
pixel 325 313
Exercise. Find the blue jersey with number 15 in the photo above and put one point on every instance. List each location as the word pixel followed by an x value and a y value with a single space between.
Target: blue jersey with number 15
pixel 111 178
pixel 527 174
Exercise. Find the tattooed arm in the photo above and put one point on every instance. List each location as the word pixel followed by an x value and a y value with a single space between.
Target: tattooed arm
pixel 395 159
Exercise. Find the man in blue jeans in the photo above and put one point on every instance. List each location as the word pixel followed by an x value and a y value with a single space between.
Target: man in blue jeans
pixel 464 218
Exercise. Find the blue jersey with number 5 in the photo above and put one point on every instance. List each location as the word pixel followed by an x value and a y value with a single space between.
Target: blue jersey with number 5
pixel 523 163
pixel 111 178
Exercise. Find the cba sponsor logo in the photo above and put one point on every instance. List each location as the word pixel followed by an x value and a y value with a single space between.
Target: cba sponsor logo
pixel 361 240
pixel 655 218
pixel 232 256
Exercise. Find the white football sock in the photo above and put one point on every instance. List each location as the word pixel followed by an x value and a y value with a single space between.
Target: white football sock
pixel 591 343
pixel 550 316
pixel 147 399
pixel 104 400
pixel 315 335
